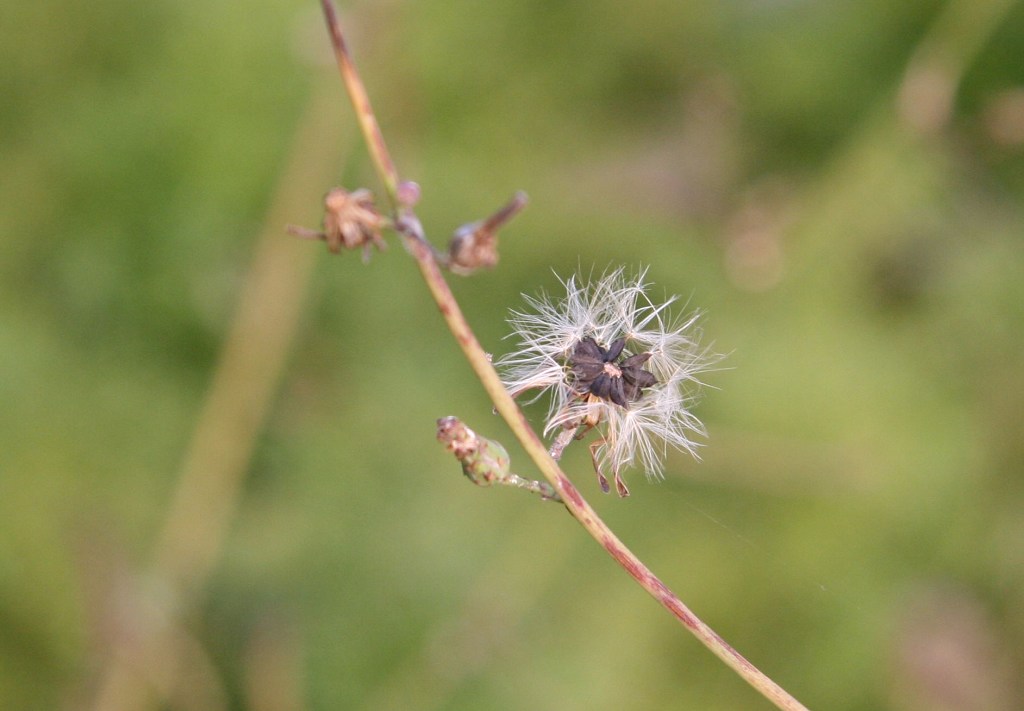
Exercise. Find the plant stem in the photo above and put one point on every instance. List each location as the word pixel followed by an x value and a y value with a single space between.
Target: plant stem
pixel 361 103
pixel 412 234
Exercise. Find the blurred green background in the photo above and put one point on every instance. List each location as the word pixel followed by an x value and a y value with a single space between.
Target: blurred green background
pixel 837 184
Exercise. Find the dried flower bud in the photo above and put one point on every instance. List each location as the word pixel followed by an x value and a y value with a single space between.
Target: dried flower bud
pixel 484 461
pixel 475 246
pixel 351 221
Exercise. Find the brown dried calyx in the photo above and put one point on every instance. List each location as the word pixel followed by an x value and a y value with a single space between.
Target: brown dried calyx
pixel 351 221
pixel 475 246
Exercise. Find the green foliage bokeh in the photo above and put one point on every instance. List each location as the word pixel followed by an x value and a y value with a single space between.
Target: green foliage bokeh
pixel 859 504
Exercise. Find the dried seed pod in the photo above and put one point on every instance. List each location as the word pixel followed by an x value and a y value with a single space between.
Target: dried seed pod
pixel 475 246
pixel 351 221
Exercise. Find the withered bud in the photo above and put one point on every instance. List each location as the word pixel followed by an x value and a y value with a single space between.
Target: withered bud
pixel 351 221
pixel 456 437
pixel 475 246
pixel 484 461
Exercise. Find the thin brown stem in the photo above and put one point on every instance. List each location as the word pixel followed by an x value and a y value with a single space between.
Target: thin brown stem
pixel 412 234
pixel 361 103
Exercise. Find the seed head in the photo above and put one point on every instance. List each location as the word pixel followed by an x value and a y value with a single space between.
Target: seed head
pixel 613 360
